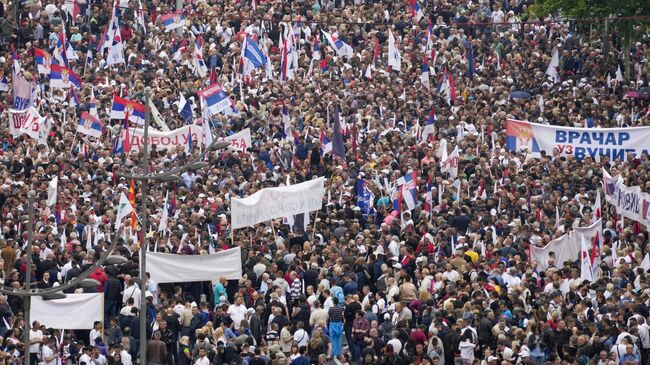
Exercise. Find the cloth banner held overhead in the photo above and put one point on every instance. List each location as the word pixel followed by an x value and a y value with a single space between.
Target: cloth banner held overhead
pixel 74 312
pixel 629 201
pixel 278 202
pixel 172 268
pixel 567 248
pixel 580 143
pixel 20 119
pixel 239 141
pixel 166 140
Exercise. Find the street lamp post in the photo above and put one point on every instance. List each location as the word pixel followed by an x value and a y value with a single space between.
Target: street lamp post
pixel 144 246
pixel 28 272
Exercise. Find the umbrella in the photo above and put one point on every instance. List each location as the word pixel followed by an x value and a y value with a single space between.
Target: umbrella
pixel 520 95
pixel 644 93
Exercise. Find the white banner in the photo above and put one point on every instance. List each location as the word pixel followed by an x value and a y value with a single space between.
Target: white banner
pixel 24 121
pixel 567 248
pixel 277 202
pixel 166 140
pixel 172 268
pixel 629 202
pixel 74 312
pixel 614 143
pixel 239 141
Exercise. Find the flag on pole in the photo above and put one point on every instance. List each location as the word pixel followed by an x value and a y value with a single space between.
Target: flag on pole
pixel 124 209
pixel 338 147
pixel 63 78
pixel 553 66
pixel 425 73
pixel 471 67
pixel 134 218
pixel 90 125
pixel 416 11
pixel 447 88
pixel 252 57
pixel 43 61
pixel 586 272
pixel 172 21
pixel 342 49
pixel 394 57
pixel 409 187
pixel 286 122
pixel 185 108
pixel 52 191
pixel 325 144
pixel 123 141
pixel 200 68
pixel 122 106
pixel 214 99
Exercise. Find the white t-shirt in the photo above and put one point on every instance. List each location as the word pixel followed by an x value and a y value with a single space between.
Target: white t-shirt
pixel 301 337
pixel 35 335
pixel 100 360
pixel 94 335
pixel 85 358
pixel 202 361
pixel 48 352
pixel 237 313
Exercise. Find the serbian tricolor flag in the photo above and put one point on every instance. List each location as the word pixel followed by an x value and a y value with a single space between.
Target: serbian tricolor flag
pixel 43 61
pixel 172 21
pixel 409 186
pixel 416 11
pixel 90 125
pixel 447 87
pixel 63 78
pixel 325 144
pixel 425 73
pixel 122 106
pixel 123 142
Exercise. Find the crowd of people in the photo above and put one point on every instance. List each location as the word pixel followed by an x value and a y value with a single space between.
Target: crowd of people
pixel 351 283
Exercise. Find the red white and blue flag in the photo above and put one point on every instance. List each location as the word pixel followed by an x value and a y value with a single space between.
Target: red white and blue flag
pixel 342 49
pixel 43 61
pixel 122 107
pixel 416 11
pixel 90 125
pixel 409 187
pixel 172 21
pixel 63 78
pixel 325 144
pixel 447 87
pixel 214 99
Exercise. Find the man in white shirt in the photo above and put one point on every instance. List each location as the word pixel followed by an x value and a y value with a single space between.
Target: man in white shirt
pixel 48 354
pixel 85 357
pixel 451 274
pixel 203 359
pixel 35 341
pixel 95 333
pixel 131 291
pixel 300 336
pixel 237 311
pixel 99 359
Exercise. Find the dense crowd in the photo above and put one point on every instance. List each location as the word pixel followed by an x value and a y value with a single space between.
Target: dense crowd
pixel 453 284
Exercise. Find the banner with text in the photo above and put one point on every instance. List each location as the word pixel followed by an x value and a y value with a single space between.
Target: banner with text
pixel 614 143
pixel 239 141
pixel 278 202
pixel 167 140
pixel 629 201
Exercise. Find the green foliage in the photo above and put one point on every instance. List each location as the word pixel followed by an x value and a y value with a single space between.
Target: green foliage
pixel 590 9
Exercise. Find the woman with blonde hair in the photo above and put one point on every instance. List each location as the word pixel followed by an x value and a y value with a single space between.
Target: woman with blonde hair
pixel 218 335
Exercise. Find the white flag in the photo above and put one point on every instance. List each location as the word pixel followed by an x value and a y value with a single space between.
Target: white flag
pixel 164 216
pixel 394 58
pixel 553 66
pixel 585 268
pixel 124 209
pixel 51 191
pixel 645 264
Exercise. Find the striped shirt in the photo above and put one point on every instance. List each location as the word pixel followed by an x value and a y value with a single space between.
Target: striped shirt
pixel 336 313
